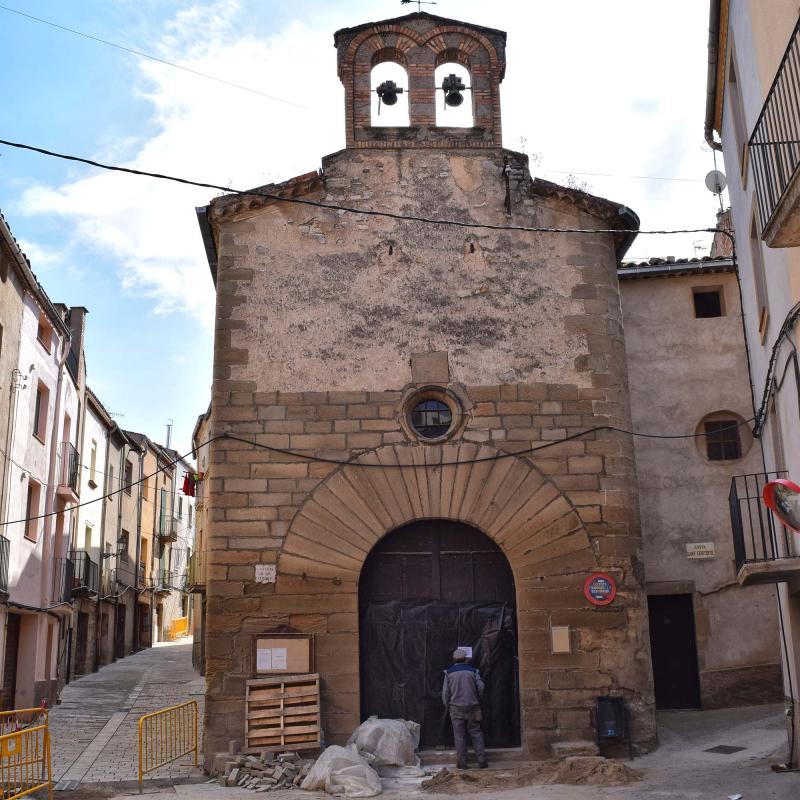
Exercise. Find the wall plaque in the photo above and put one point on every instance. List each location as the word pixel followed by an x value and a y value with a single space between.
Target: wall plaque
pixel 266 573
pixel 697 550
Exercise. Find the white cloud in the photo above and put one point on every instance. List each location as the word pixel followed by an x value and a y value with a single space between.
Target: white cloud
pixel 206 131
pixel 618 93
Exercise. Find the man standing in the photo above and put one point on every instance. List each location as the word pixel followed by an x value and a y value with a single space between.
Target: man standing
pixel 461 695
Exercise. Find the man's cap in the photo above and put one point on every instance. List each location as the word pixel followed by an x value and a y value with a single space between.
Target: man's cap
pixel 459 655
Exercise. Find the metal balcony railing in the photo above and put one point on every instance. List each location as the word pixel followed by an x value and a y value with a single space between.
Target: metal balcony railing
pixel 167 527
pixel 775 142
pixel 5 548
pixel 163 580
pixel 195 572
pixel 63 580
pixel 758 535
pixel 108 583
pixel 86 574
pixel 70 467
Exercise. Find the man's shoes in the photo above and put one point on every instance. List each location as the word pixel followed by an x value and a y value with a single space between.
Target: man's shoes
pixel 462 765
pixel 483 764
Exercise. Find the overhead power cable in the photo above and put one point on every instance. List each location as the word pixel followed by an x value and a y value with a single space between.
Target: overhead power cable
pixel 142 54
pixel 618 175
pixel 347 462
pixel 370 212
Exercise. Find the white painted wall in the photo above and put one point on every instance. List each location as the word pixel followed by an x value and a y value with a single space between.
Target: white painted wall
pixel 30 456
pixel 93 484
pixel 758 35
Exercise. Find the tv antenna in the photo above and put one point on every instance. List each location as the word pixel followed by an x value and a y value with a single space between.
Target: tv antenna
pixel 419 3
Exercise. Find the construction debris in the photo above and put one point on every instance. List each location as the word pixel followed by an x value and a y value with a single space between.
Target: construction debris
pixel 266 772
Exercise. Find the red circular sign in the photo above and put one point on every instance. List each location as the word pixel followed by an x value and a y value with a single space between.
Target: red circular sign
pixel 600 589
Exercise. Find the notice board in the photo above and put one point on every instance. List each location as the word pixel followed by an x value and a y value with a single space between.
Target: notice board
pixel 283 653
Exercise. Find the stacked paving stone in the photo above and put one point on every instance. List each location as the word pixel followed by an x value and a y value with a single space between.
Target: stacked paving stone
pixel 266 772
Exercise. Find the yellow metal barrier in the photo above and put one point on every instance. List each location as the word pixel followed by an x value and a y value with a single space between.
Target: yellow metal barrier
pixel 167 735
pixel 179 627
pixel 24 753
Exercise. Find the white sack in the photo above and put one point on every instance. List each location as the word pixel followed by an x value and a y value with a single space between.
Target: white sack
pixel 387 742
pixel 342 771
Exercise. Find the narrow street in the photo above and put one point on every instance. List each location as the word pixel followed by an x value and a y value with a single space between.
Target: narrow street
pixel 94 731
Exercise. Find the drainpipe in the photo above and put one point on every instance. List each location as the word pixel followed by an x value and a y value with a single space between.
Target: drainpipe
pixel 13 399
pixel 120 501
pixel 137 637
pixel 101 559
pixel 711 79
pixel 50 496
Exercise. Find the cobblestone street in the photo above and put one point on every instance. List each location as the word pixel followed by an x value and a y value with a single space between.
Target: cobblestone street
pixel 94 730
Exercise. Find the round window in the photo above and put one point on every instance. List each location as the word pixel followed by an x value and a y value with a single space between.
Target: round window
pixel 431 419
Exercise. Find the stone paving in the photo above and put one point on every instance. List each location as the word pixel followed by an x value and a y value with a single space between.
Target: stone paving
pixel 94 731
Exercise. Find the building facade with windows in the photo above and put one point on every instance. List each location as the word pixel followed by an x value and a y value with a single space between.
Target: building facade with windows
pixel 196 575
pixel 41 480
pixel 687 369
pixel 409 369
pixel 752 116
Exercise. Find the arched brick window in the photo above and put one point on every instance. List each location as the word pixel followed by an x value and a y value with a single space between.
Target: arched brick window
pixel 450 116
pixel 389 64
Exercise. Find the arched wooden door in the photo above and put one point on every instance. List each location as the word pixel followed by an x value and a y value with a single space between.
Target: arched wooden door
pixel 425 589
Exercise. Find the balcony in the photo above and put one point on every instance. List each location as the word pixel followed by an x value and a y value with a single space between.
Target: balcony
pixel 774 150
pixel 63 580
pixel 108 584
pixel 167 528
pixel 163 581
pixel 5 547
pixel 85 575
pixel 764 549
pixel 196 574
pixel 69 471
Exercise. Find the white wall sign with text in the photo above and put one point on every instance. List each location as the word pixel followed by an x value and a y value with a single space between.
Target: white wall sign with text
pixel 701 550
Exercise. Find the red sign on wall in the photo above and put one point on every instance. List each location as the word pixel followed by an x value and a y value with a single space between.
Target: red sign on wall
pixel 600 589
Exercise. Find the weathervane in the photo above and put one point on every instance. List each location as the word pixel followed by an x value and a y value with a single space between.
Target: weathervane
pixel 419 3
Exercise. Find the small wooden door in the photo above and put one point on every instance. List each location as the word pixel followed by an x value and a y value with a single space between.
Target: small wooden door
pixel 674 651
pixel 9 687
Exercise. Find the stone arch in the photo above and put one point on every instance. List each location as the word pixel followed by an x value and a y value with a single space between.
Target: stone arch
pixel 509 499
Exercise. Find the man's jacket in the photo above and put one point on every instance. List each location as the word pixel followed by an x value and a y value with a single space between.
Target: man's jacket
pixel 462 687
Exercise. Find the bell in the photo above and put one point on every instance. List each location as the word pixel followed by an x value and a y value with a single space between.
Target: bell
pixel 452 88
pixel 387 92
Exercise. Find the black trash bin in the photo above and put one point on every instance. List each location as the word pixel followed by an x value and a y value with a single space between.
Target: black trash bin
pixel 612 723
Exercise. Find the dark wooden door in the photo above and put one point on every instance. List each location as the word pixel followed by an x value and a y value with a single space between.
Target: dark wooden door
pixel 119 632
pixel 674 651
pixel 426 589
pixel 9 687
pixel 81 644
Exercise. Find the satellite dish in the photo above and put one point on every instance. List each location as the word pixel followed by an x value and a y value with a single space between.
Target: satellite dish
pixel 716 182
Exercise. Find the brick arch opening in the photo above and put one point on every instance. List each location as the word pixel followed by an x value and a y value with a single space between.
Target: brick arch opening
pixel 513 503
pixel 509 499
pixel 427 588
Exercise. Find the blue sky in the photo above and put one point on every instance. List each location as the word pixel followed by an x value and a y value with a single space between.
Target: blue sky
pixel 592 87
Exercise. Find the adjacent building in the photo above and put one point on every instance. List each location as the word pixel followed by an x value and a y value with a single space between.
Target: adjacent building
pixel 687 371
pixel 753 116
pixel 196 575
pixel 74 522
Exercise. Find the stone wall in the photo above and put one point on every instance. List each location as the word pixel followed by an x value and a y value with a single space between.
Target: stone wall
pixel 326 323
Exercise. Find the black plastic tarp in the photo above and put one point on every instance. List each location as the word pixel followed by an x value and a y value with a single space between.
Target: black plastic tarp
pixel 407 645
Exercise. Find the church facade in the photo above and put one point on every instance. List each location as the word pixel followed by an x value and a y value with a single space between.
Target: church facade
pixel 400 410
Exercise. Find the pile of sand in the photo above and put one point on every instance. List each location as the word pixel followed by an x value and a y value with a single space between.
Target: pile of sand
pixel 575 770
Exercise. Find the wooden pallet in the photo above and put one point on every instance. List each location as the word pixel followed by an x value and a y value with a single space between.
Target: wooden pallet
pixel 282 713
